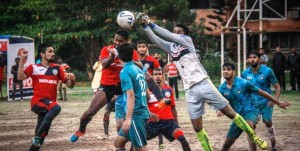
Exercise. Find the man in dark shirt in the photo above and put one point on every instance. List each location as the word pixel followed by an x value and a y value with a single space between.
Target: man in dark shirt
pixel 279 67
pixel 14 71
pixel 293 63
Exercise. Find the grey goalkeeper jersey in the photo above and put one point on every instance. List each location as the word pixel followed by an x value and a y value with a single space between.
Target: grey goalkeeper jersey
pixel 183 52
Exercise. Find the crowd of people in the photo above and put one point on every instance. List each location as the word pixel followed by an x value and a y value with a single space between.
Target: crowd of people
pixel 282 63
pixel 131 83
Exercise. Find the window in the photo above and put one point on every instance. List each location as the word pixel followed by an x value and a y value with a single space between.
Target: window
pixel 284 40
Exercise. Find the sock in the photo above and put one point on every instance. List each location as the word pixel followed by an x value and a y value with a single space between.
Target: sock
pixel 160 139
pixel 204 140
pixel 184 143
pixel 271 131
pixel 242 124
pixel 155 89
pixel 106 124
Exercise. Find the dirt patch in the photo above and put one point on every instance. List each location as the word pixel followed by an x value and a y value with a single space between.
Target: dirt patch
pixel 17 124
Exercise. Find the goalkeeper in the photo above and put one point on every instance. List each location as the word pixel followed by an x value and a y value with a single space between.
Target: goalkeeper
pixel 198 86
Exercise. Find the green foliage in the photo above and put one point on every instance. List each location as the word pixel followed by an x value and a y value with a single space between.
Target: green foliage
pixel 80 76
pixel 212 64
pixel 79 29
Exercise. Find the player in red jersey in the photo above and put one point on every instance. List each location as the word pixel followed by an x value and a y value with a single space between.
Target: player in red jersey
pixel 45 77
pixel 150 63
pixel 109 85
pixel 167 114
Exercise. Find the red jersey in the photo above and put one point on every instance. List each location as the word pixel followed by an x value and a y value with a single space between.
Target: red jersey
pixel 110 75
pixel 44 81
pixel 64 66
pixel 172 70
pixel 164 113
pixel 150 64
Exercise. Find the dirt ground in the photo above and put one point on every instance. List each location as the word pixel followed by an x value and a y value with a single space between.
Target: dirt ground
pixel 17 125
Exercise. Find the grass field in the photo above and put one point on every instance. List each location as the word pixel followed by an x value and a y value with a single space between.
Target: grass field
pixel 17 124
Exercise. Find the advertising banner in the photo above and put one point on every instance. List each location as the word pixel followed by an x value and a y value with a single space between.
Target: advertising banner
pixel 15 45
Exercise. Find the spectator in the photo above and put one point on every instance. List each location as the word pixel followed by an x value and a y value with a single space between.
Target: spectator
pixel 264 59
pixel 173 76
pixel 293 63
pixel 279 67
pixel 148 62
pixel 97 76
pixel 157 56
pixel 14 71
pixel 62 86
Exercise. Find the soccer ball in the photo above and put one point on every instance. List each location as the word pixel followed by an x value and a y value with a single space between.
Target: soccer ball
pixel 125 19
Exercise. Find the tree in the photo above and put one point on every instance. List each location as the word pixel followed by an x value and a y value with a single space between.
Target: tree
pixel 79 29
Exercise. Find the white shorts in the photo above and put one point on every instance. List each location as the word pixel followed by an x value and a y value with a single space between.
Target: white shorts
pixel 200 93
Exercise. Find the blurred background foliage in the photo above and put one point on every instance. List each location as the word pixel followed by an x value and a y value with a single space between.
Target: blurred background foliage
pixel 78 29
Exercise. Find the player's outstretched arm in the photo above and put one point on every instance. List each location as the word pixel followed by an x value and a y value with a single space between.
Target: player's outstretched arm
pixel 23 57
pixel 273 99
pixel 130 108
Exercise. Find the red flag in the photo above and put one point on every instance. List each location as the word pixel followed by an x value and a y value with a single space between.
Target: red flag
pixel 3 45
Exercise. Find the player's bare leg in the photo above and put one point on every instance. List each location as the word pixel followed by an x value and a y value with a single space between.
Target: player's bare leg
pixel 271 131
pixel 97 103
pixel 106 121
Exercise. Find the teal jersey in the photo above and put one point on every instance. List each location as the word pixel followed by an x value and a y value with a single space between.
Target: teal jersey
pixel 263 79
pixel 240 95
pixel 133 78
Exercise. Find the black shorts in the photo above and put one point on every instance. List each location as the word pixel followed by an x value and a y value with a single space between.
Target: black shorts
pixel 110 91
pixel 165 127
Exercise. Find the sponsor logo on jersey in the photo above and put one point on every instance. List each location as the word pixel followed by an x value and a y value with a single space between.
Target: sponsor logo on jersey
pixel 55 71
pixel 261 77
pixel 146 65
pixel 48 81
pixel 168 94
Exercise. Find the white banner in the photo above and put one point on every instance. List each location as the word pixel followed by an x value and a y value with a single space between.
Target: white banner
pixel 14 46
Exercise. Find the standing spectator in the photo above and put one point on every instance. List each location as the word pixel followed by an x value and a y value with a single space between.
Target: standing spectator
pixel 62 86
pixel 293 63
pixel 45 77
pixel 264 59
pixel 279 67
pixel 157 56
pixel 148 62
pixel 97 76
pixel 14 72
pixel 173 76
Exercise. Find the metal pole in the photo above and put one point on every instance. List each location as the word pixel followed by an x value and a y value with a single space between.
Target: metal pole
pixel 245 47
pixel 222 55
pixel 239 37
pixel 260 25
